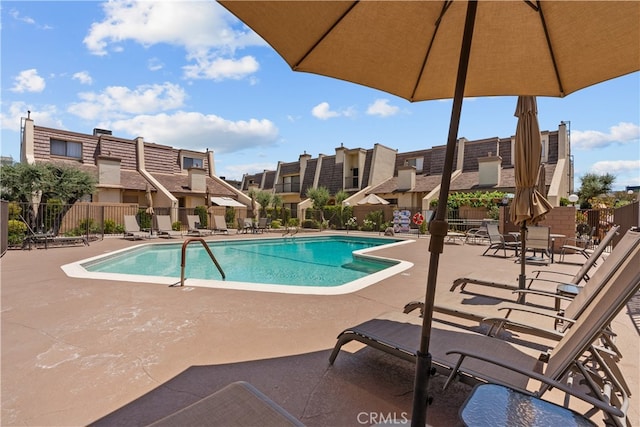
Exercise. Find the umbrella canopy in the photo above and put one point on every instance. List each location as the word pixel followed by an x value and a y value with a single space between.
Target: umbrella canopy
pixel 412 48
pixel 373 199
pixel 421 50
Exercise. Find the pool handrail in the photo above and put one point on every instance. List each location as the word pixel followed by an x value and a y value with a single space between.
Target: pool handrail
pixel 184 257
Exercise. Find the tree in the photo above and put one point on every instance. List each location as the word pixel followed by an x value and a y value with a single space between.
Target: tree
pixel 264 198
pixel 45 183
pixel 276 204
pixel 340 197
pixel 593 185
pixel 319 197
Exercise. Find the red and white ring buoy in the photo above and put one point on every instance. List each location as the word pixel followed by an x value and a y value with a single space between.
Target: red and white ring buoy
pixel 418 218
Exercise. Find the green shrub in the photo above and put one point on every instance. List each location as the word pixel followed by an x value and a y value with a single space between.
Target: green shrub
pixel 311 223
pixel 110 227
pixel 176 226
pixel 202 213
pixel 276 223
pixel 16 231
pixel 14 210
pixel 230 215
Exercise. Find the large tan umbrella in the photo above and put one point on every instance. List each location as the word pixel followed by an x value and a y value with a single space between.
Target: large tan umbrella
pixel 421 50
pixel 529 206
pixel 373 199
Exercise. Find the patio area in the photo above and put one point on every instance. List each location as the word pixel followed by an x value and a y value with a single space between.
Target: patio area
pixel 103 353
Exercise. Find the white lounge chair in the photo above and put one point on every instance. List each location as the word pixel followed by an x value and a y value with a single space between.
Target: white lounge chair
pixel 164 227
pixel 132 229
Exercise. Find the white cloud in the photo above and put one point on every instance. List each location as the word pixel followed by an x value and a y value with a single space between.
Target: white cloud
pixel 154 64
pixel 28 81
pixel 237 171
pixel 219 68
pixel 26 19
pixel 381 107
pixel 323 111
pixel 622 133
pixel 43 115
pixel 204 29
pixel 198 131
pixel 117 101
pixel 83 77
pixel 616 166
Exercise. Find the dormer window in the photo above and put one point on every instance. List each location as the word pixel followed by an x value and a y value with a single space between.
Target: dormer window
pixel 191 162
pixel 66 149
pixel 416 163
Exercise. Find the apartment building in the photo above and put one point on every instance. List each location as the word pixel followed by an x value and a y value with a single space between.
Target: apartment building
pixel 412 179
pixel 125 169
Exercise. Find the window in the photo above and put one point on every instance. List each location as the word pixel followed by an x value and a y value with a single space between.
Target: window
pixel 66 149
pixel 417 163
pixel 190 162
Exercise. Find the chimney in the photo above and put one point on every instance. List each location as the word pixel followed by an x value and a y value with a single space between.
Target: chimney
pixel 198 180
pixel 406 177
pixel 489 169
pixel 340 153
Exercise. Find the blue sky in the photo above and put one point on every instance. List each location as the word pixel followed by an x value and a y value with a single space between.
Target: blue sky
pixel 187 74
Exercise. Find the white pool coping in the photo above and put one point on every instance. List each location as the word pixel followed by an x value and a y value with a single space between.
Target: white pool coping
pixel 77 270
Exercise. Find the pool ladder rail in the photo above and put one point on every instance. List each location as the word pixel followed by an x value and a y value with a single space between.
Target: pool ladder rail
pixel 184 257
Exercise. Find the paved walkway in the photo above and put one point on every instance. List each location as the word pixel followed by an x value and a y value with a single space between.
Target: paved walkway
pixel 81 352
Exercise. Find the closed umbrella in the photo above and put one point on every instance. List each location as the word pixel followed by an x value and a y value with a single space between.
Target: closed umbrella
pixel 529 206
pixel 149 209
pixel 421 50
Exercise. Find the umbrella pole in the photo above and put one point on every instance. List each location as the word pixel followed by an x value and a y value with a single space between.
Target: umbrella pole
pixel 523 261
pixel 438 230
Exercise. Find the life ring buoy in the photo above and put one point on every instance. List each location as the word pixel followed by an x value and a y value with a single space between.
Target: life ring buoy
pixel 418 218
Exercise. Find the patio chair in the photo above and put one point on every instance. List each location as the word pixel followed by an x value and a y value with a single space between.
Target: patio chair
pixel 567 287
pixel 238 404
pixel 195 228
pixel 499 241
pixel 603 281
pixel 220 224
pixel 473 357
pixel 582 245
pixel 244 225
pixel 538 239
pixel 478 234
pixel 263 225
pixel 132 229
pixel 164 227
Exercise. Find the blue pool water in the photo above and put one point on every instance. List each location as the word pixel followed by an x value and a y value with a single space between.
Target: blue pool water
pixel 303 261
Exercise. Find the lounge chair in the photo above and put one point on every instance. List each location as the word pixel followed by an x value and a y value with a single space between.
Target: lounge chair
pixel 220 224
pixel 164 227
pixel 473 357
pixel 553 323
pixel 499 241
pixel 132 229
pixel 195 228
pixel 581 275
pixel 238 404
pixel 580 245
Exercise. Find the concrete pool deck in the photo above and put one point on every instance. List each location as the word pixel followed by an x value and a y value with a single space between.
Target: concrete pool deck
pixel 95 352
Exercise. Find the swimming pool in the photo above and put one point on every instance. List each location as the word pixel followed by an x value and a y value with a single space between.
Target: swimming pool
pixel 326 265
